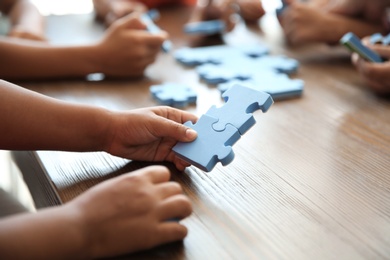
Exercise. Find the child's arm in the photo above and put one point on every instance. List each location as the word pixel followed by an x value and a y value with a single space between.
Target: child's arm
pixel 136 211
pixel 25 19
pixel 125 51
pixel 35 122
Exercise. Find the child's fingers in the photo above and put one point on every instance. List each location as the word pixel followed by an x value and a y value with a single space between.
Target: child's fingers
pixel 169 189
pixel 156 174
pixel 177 206
pixel 171 231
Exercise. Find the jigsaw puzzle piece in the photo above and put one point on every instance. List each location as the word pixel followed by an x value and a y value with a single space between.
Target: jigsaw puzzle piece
pixel 210 147
pixel 194 57
pixel 386 40
pixel 353 43
pixel 241 102
pixel 173 94
pixel 244 68
pixel 279 86
pixel 279 63
pixel 376 38
pixel 205 27
pixel 213 74
pixel 148 18
pixel 218 54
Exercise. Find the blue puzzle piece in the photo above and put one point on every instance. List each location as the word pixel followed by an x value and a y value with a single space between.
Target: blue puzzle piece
pixel 279 86
pixel 210 147
pixel 215 74
pixel 217 54
pixel 376 38
pixel 241 102
pixel 173 94
pixel 353 43
pixel 205 28
pixel 147 18
pixel 244 68
pixel 386 40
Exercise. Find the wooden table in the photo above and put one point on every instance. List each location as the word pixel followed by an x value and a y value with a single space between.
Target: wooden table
pixel 311 180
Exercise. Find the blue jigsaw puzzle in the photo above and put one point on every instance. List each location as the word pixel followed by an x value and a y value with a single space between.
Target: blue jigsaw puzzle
pixel 220 128
pixel 353 43
pixel 173 94
pixel 210 147
pixel 205 28
pixel 248 65
pixel 243 68
pixel 240 103
pixel 217 54
pixel 376 38
pixel 148 18
pixel 278 85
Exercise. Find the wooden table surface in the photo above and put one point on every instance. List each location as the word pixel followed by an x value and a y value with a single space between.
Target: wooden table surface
pixel 311 180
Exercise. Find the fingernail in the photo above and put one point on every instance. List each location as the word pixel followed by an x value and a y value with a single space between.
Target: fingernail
pixel 191 133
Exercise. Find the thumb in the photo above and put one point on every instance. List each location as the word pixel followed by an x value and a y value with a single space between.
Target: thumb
pixel 177 131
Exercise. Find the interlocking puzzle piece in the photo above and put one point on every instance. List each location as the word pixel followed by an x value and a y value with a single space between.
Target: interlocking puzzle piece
pixel 376 38
pixel 205 27
pixel 353 43
pixel 173 94
pixel 147 18
pixel 279 86
pixel 218 54
pixel 214 74
pixel 244 68
pixel 240 103
pixel 386 40
pixel 210 147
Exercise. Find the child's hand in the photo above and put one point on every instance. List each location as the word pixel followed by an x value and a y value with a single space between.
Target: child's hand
pixel 149 134
pixel 375 75
pixel 304 23
pixel 127 48
pixel 130 213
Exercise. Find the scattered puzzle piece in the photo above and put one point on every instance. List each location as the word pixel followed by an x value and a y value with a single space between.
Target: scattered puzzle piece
pixel 279 86
pixel 353 43
pixel 231 120
pixel 173 94
pixel 240 103
pixel 217 54
pixel 210 147
pixel 244 68
pixel 205 28
pixel 147 18
pixel 376 38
